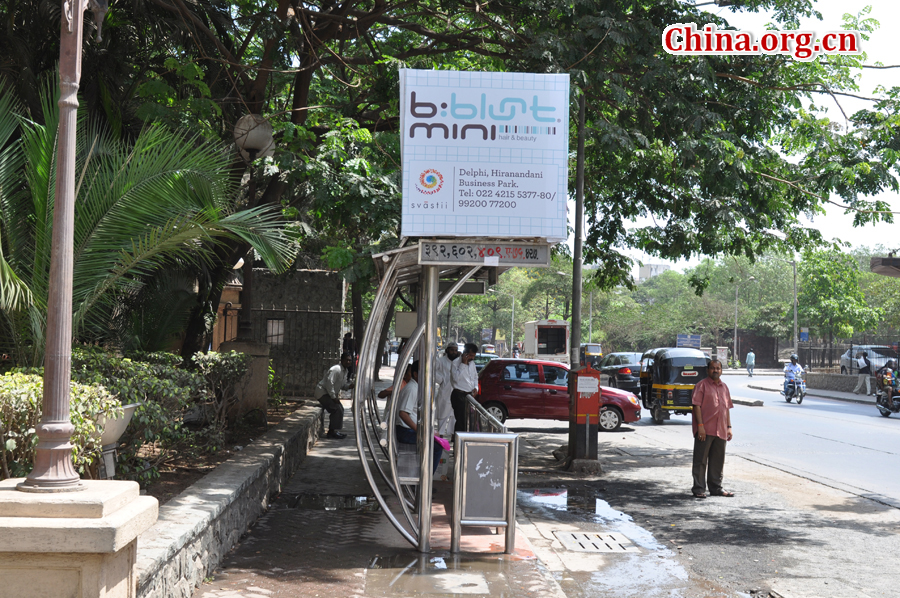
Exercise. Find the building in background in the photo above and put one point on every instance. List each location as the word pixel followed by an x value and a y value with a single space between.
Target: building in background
pixel 648 271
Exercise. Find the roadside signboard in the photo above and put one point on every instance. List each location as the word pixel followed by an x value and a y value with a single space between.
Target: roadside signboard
pixel 804 334
pixel 483 253
pixel 484 154
pixel 688 340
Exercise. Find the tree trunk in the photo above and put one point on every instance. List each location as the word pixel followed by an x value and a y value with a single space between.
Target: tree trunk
pixel 210 284
pixel 356 293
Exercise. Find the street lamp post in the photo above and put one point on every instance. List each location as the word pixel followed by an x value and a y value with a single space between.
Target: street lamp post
pixel 735 339
pixel 796 338
pixel 253 136
pixel 512 320
pixel 53 469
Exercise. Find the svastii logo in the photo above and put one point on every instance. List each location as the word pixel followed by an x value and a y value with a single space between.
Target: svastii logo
pixel 430 182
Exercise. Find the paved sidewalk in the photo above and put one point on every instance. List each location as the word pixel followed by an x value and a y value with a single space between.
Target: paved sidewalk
pixel 325 536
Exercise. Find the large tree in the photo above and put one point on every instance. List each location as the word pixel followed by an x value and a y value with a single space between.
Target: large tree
pixel 831 300
pixel 685 155
pixel 141 208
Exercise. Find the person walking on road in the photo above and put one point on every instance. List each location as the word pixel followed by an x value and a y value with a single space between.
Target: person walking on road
pixel 751 362
pixel 712 430
pixel 865 373
pixel 464 379
pixel 443 408
pixel 328 393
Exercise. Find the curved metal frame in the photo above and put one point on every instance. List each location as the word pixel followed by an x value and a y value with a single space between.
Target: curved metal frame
pixel 364 404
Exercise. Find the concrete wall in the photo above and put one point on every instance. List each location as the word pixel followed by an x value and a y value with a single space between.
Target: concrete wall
pixel 198 527
pixel 763 346
pixel 838 382
pixel 298 289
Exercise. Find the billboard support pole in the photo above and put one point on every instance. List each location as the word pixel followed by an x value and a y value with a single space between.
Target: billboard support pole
pixel 577 450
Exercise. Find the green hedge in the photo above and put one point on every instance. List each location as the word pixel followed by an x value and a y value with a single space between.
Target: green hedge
pixel 165 391
pixel 21 396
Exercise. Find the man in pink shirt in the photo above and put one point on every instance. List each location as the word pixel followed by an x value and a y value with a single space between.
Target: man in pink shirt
pixel 712 430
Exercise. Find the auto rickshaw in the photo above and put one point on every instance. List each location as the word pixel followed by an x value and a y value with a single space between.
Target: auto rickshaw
pixel 668 377
pixel 590 354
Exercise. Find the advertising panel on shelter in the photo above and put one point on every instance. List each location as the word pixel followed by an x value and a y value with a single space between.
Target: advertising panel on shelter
pixel 484 154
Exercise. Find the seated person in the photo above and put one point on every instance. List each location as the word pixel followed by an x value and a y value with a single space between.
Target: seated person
pixel 387 391
pixel 408 414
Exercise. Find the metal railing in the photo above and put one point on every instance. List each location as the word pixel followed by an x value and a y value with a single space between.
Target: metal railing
pixel 479 420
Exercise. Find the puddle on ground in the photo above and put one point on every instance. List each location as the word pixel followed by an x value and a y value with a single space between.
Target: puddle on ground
pixel 597 509
pixel 654 573
pixel 425 575
pixel 332 502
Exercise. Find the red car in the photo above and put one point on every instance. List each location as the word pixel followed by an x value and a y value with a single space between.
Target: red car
pixel 531 388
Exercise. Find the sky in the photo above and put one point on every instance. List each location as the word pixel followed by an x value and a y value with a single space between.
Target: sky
pixel 881 47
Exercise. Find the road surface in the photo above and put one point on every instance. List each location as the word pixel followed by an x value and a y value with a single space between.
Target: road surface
pixel 817 511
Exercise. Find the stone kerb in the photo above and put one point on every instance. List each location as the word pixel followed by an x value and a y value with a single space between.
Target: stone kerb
pixel 198 527
pixel 838 382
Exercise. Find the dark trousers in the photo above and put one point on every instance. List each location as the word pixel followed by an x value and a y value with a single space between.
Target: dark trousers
pixel 709 464
pixel 458 402
pixel 335 412
pixel 408 436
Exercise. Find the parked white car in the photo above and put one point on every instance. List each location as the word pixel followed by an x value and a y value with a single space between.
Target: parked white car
pixel 877 354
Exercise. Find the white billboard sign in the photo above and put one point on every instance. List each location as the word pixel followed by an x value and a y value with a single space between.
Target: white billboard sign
pixel 484 154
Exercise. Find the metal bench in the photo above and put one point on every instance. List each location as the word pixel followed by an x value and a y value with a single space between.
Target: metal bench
pixel 407 464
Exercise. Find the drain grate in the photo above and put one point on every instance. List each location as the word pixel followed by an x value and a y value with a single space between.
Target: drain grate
pixel 594 542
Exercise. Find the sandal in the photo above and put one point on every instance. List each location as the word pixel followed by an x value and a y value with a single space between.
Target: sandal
pixel 699 495
pixel 722 493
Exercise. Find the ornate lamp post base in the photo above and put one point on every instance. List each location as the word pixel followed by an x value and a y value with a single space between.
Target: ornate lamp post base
pixel 53 469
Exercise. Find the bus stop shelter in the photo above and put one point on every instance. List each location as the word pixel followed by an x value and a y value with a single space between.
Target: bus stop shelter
pixel 421 268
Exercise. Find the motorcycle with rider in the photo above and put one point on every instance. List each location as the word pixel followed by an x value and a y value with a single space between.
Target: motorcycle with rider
pixel 794 381
pixel 886 393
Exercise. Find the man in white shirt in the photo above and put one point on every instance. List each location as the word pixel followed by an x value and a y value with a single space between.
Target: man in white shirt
pixel 408 414
pixel 792 371
pixel 464 379
pixel 443 410
pixel 328 393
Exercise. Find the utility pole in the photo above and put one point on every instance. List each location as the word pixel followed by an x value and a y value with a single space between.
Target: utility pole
pixel 582 434
pixel 575 349
pixel 796 338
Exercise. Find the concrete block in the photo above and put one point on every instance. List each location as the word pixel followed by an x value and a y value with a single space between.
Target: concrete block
pixel 98 499
pixel 85 547
pixel 253 390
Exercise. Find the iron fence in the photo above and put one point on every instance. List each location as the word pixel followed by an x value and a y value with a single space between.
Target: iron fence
pixel 840 358
pixel 303 343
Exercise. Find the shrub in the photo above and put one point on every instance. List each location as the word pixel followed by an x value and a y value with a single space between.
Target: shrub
pixel 222 372
pixel 21 398
pixel 276 386
pixel 101 383
pixel 164 391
